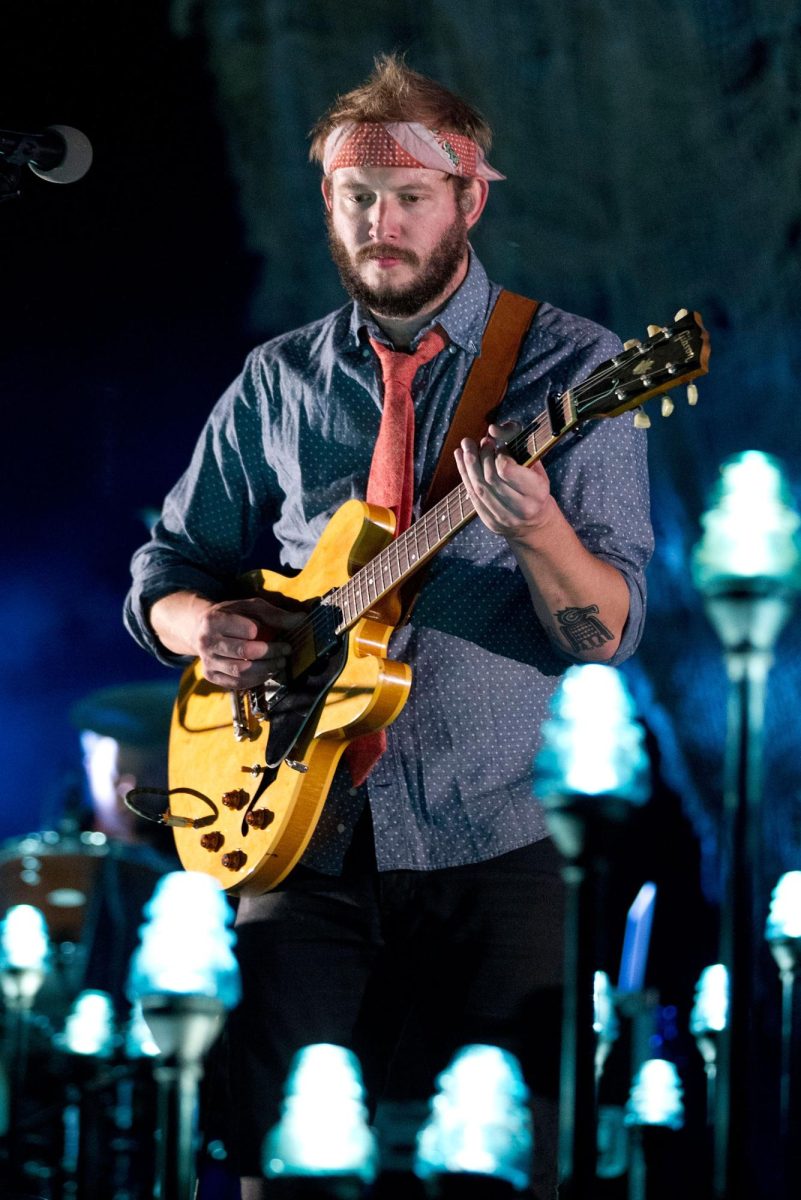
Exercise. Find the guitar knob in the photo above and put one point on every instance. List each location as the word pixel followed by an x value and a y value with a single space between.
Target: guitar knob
pixel 236 799
pixel 234 860
pixel 212 841
pixel 260 818
pixel 630 344
pixel 653 330
pixel 667 406
pixel 692 394
pixel 641 420
pixel 680 315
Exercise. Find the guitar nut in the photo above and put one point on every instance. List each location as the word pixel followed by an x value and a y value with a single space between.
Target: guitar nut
pixel 234 859
pixel 212 841
pixel 236 799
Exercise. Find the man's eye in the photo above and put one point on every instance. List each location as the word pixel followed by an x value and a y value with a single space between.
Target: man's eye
pixel 410 198
pixel 360 197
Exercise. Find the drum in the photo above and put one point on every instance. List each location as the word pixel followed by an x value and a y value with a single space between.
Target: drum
pixel 55 873
pixel 91 891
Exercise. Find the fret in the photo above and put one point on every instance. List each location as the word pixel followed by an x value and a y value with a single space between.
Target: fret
pixel 427 531
pixel 340 599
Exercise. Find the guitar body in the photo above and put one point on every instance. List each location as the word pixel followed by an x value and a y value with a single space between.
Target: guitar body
pixel 207 762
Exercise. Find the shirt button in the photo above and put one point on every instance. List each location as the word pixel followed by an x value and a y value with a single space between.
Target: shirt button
pixel 353 791
pixel 340 828
pixel 451 349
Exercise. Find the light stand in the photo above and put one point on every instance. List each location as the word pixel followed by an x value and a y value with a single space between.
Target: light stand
pixel 747 566
pixel 184 1028
pixel 185 976
pixel 783 935
pixel 590 773
pixel 655 1103
pixel 707 1022
pixel 24 957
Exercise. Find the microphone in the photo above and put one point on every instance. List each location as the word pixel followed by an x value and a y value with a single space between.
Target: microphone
pixel 60 154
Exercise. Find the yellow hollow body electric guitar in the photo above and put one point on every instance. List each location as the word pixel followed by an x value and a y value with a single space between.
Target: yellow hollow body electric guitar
pixel 249 771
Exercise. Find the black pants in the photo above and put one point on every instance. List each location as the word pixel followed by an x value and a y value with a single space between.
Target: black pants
pixel 404 967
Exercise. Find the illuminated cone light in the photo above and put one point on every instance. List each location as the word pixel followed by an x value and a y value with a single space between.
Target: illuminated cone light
pixel 480 1123
pixel 323 1129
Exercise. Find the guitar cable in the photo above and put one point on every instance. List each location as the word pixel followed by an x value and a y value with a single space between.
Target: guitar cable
pixel 164 816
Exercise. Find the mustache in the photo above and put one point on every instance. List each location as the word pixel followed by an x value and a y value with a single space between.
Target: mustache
pixel 380 251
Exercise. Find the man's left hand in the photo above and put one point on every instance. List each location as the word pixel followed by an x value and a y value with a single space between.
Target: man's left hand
pixel 511 500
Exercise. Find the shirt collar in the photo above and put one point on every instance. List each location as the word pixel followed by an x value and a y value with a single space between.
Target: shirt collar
pixel 463 318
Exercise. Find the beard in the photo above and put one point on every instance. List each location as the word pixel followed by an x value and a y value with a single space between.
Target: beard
pixel 431 281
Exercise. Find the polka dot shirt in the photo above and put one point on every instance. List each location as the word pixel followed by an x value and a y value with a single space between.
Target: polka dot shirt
pixel 291 440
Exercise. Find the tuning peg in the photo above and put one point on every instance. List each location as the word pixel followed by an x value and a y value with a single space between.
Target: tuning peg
pixel 653 330
pixel 631 344
pixel 641 419
pixel 667 406
pixel 692 394
pixel 680 314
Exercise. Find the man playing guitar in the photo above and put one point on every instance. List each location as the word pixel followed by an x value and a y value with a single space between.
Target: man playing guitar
pixel 429 897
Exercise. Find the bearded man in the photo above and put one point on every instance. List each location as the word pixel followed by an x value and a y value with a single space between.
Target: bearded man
pixel 429 899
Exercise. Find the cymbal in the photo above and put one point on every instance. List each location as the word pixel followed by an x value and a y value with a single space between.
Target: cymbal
pixel 135 713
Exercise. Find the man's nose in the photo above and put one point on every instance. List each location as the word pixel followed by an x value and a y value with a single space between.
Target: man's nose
pixel 385 225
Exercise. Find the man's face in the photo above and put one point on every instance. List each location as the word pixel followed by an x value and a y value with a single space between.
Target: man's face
pixel 398 236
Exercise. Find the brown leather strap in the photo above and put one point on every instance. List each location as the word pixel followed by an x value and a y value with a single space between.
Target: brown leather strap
pixel 485 387
pixel 482 393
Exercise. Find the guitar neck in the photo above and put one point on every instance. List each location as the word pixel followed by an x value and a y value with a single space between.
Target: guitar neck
pixel 419 543
pixel 670 356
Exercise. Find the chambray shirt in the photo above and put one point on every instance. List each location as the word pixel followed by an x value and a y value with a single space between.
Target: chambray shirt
pixel 291 440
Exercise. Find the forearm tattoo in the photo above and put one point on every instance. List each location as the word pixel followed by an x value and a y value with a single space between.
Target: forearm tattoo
pixel 582 629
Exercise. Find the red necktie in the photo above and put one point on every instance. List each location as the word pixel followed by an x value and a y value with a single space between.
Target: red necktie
pixel 391 482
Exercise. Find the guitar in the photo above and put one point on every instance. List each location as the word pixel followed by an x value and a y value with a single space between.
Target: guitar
pixel 249 771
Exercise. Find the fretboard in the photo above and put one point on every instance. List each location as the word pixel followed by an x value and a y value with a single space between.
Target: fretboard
pixel 421 541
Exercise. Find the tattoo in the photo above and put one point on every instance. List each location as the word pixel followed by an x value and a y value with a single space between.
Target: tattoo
pixel 582 629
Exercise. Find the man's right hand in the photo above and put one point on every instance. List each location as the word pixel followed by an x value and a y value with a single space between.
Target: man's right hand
pixel 240 643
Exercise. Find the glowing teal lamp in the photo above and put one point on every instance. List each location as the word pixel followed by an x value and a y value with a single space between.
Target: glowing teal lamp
pixel 24 955
pixel 750 542
pixel 708 1020
pixel 592 746
pixel 591 774
pixel 656 1097
pixel 606 1023
pixel 783 935
pixel 24 960
pixel 747 567
pixel 185 977
pixel 323 1131
pixel 90 1027
pixel 480 1122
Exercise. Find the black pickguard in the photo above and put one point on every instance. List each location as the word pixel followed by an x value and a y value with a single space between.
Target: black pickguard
pixel 292 708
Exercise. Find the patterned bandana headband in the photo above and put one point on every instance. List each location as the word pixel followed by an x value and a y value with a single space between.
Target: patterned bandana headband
pixel 404 144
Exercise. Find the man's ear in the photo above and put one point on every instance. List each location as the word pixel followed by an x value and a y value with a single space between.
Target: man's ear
pixel 327 190
pixel 473 199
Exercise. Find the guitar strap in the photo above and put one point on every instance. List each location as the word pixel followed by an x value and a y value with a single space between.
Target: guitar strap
pixel 482 394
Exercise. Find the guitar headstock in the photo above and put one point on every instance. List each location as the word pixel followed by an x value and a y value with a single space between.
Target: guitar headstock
pixel 670 356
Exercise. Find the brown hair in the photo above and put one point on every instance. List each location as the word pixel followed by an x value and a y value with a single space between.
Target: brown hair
pixel 394 92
